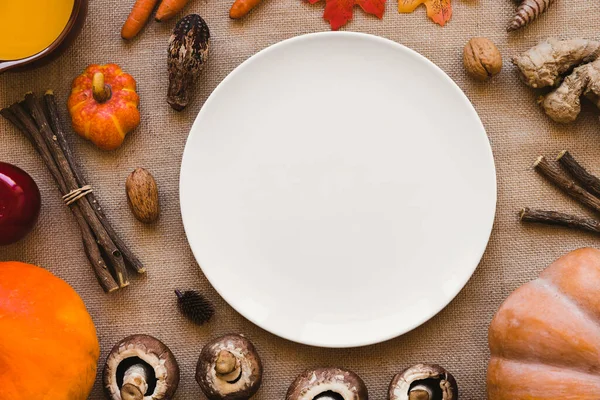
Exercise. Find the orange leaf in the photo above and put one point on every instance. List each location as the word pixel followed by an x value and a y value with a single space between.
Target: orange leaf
pixel 439 11
pixel 339 12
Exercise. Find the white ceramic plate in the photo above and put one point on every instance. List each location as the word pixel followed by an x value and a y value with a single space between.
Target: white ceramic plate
pixel 338 189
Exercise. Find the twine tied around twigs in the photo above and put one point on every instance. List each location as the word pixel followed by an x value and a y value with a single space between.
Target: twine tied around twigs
pixel 77 194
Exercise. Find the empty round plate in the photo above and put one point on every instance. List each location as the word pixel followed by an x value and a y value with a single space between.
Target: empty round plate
pixel 338 189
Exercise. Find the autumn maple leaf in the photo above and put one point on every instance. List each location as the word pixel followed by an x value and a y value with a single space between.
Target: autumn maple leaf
pixel 339 12
pixel 439 11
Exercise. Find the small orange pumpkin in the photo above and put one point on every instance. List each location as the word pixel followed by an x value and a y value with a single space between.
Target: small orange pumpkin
pixel 545 338
pixel 104 105
pixel 48 343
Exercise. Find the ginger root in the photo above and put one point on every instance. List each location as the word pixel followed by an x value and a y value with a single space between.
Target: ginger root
pixel 543 65
pixel 564 104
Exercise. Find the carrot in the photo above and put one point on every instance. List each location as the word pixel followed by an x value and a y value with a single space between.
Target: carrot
pixel 242 7
pixel 137 18
pixel 168 8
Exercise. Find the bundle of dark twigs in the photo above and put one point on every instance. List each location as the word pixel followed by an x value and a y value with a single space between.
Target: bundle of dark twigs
pixel 39 121
pixel 575 181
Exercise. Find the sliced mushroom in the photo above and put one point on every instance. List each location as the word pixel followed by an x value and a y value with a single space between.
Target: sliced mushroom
pixel 140 367
pixel 229 368
pixel 327 383
pixel 423 382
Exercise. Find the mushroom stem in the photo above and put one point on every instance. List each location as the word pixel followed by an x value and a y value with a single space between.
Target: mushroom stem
pixel 100 90
pixel 225 363
pixel 227 366
pixel 420 392
pixel 135 382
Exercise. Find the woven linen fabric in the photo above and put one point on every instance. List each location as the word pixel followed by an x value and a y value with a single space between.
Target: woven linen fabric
pixel 456 338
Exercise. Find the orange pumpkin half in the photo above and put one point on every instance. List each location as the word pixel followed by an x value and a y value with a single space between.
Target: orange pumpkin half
pixel 104 105
pixel 48 343
pixel 545 339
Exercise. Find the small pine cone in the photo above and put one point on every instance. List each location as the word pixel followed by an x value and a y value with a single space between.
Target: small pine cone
pixel 194 306
pixel 527 11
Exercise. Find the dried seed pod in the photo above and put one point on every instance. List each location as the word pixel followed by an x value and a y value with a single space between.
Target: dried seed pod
pixel 188 52
pixel 527 11
pixel 142 195
pixel 195 306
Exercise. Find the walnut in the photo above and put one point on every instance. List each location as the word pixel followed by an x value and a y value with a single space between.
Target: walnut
pixel 482 59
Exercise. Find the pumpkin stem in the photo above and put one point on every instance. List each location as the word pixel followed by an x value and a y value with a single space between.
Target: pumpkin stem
pixel 100 90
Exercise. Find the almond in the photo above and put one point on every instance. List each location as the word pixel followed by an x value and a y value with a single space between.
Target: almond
pixel 142 195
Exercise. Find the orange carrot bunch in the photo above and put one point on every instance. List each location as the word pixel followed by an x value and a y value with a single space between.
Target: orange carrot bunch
pixel 242 7
pixel 140 13
pixel 167 9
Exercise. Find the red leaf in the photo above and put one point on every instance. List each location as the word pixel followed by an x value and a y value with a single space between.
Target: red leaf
pixel 339 12
pixel 439 11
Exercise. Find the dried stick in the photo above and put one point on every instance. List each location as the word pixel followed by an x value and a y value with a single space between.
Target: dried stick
pixel 16 115
pixel 110 249
pixel 25 122
pixel 587 180
pixel 60 137
pixel 566 185
pixel 561 219
pixel 9 116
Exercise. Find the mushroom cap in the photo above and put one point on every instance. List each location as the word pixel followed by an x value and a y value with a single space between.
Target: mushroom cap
pixel 401 383
pixel 250 379
pixel 312 383
pixel 152 351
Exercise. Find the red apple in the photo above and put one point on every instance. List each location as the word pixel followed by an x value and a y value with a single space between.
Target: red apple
pixel 20 203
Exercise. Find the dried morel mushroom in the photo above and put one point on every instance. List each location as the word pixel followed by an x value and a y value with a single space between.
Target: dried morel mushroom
pixel 188 52
pixel 195 306
pixel 423 382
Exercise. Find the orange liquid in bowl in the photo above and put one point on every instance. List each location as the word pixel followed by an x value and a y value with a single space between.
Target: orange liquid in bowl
pixel 30 26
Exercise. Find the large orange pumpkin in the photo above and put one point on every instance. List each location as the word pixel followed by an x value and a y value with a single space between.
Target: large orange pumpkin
pixel 48 343
pixel 545 339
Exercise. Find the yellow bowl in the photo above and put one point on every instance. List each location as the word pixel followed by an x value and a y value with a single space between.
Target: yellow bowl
pixel 61 43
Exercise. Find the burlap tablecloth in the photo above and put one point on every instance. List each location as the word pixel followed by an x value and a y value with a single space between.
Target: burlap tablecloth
pixel 455 338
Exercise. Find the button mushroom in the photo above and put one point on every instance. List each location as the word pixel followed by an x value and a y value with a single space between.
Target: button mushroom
pixel 423 382
pixel 140 367
pixel 229 368
pixel 326 383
